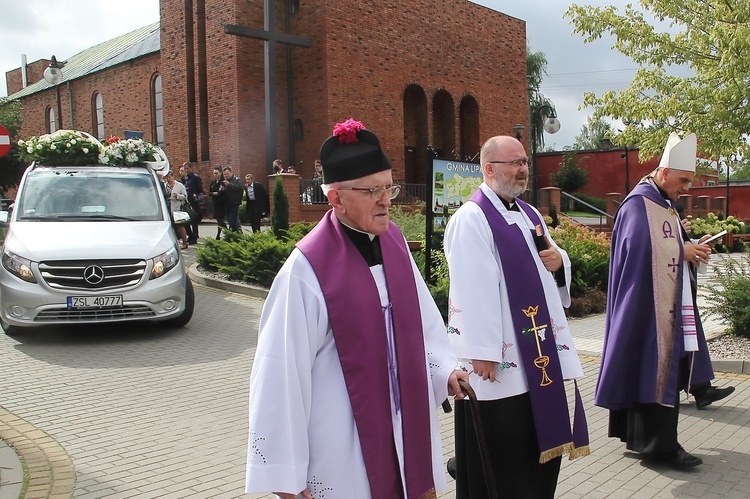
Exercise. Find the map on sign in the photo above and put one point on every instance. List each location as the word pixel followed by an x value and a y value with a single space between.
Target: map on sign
pixel 453 183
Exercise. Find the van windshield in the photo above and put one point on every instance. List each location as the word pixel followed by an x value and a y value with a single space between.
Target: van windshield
pixel 88 194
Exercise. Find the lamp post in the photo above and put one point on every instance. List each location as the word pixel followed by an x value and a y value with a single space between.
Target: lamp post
pixel 518 130
pixel 627 170
pixel 551 125
pixel 733 157
pixel 54 76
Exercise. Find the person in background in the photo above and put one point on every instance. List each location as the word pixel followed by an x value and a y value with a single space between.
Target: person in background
pixel 317 181
pixel 509 284
pixel 233 189
pixel 218 198
pixel 278 166
pixel 653 343
pixel 352 359
pixel 257 204
pixel 176 194
pixel 194 187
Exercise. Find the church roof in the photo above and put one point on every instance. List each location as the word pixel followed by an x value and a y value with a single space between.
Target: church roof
pixel 124 48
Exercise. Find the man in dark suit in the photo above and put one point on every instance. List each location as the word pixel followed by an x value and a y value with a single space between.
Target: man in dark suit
pixel 257 201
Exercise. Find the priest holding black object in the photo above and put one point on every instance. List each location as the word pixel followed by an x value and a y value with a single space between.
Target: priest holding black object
pixel 509 284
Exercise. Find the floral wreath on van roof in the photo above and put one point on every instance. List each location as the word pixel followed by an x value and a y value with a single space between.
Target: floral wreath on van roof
pixel 75 148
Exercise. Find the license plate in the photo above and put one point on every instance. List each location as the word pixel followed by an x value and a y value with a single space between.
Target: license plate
pixel 106 301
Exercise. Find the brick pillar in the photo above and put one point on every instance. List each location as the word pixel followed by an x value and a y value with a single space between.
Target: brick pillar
pixel 613 203
pixel 554 198
pixel 290 182
pixel 686 201
pixel 703 205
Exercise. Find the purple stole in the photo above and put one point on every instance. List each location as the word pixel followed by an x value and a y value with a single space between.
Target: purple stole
pixel 536 342
pixel 359 330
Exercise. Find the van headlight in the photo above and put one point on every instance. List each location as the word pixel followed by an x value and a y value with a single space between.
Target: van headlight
pixel 18 266
pixel 165 262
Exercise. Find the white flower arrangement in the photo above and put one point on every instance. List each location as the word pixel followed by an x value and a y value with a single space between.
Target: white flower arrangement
pixel 74 148
pixel 128 152
pixel 63 147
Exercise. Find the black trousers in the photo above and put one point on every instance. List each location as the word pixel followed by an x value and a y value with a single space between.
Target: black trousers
pixel 508 426
pixel 254 213
pixel 650 428
pixel 193 232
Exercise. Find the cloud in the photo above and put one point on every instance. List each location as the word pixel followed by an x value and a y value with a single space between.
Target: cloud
pixel 41 28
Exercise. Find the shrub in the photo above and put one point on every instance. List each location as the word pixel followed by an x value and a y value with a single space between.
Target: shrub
pixel 280 215
pixel 412 223
pixel 599 203
pixel 554 221
pixel 589 255
pixel 713 224
pixel 729 298
pixel 254 258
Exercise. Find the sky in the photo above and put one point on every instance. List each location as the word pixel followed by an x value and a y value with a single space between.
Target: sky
pixel 41 28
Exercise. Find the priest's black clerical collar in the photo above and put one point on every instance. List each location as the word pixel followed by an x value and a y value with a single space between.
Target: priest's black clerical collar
pixel 367 244
pixel 510 205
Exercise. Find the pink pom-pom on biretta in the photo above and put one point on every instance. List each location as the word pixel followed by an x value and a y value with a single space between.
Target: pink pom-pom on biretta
pixel 347 131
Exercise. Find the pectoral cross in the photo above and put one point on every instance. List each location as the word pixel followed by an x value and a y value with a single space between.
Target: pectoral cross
pixel 542 361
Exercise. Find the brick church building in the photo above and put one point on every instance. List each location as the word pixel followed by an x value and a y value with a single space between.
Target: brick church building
pixel 445 73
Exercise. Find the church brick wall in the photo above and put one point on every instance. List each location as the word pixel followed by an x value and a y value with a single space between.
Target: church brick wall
pixel 126 95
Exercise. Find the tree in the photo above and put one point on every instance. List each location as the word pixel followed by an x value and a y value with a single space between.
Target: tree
pixel 280 215
pixel 742 171
pixel 708 38
pixel 570 177
pixel 592 135
pixel 536 69
pixel 11 167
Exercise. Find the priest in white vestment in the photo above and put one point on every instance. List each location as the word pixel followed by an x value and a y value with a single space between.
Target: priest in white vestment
pixel 353 359
pixel 509 284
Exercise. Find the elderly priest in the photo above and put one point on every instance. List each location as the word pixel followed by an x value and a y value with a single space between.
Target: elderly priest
pixel 353 358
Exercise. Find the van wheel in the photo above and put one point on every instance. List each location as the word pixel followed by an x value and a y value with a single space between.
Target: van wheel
pixel 182 319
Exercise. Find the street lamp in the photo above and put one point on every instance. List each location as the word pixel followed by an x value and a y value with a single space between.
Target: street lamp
pixel 54 76
pixel 518 130
pixel 733 157
pixel 551 125
pixel 626 155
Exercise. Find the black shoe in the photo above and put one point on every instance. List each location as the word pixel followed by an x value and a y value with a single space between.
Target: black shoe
pixel 711 395
pixel 680 460
pixel 452 467
pixel 192 241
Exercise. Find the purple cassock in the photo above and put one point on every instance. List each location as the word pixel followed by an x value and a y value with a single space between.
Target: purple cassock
pixel 640 365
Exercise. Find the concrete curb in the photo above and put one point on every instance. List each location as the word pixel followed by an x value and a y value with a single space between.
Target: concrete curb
pixel 235 287
pixel 49 468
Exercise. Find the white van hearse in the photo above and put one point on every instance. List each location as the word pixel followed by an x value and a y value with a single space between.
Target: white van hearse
pixel 91 244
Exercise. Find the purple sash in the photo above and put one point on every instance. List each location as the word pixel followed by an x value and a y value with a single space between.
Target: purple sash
pixel 536 342
pixel 359 330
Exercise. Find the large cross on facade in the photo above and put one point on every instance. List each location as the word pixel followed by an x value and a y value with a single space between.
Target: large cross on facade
pixel 271 37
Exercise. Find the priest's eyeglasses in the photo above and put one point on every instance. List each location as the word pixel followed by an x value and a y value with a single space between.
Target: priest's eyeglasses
pixel 376 192
pixel 514 163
